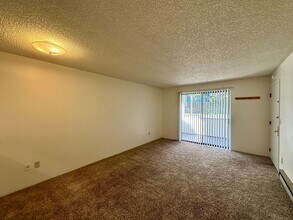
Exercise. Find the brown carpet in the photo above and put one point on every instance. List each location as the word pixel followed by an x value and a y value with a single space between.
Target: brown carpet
pixel 160 180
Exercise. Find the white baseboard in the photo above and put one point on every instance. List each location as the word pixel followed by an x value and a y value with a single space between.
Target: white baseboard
pixel 286 188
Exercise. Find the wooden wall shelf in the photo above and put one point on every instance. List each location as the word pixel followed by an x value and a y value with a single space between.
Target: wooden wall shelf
pixel 247 98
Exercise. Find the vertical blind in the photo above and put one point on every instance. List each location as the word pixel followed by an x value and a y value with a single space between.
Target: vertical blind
pixel 205 117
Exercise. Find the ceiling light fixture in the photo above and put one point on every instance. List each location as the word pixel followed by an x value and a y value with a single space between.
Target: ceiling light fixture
pixel 48 48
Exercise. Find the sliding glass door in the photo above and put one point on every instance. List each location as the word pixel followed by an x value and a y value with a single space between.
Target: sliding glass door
pixel 205 117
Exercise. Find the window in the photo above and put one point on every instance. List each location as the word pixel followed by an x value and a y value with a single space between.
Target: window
pixel 206 117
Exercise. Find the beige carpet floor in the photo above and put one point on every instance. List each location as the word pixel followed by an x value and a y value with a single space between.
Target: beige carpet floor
pixel 160 180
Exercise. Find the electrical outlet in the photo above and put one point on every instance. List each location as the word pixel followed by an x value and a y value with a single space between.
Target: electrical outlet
pixel 27 167
pixel 37 164
pixel 282 161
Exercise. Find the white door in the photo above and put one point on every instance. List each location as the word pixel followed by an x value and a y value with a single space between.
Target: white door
pixel 275 123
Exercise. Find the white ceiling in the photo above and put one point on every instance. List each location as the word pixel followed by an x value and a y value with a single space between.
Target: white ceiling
pixel 161 43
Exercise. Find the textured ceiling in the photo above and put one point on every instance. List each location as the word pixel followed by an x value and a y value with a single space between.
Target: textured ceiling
pixel 155 42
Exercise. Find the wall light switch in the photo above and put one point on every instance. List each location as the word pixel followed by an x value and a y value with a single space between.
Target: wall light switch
pixel 37 164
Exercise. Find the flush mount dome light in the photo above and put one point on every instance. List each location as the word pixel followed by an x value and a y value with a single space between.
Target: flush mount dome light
pixel 48 48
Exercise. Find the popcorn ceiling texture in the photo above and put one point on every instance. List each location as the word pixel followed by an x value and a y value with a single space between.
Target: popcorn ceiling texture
pixel 160 43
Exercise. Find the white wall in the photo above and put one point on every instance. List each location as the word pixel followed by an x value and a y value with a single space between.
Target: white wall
pixel 285 74
pixel 67 118
pixel 250 118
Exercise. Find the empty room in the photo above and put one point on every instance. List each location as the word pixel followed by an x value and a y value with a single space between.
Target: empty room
pixel 146 109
